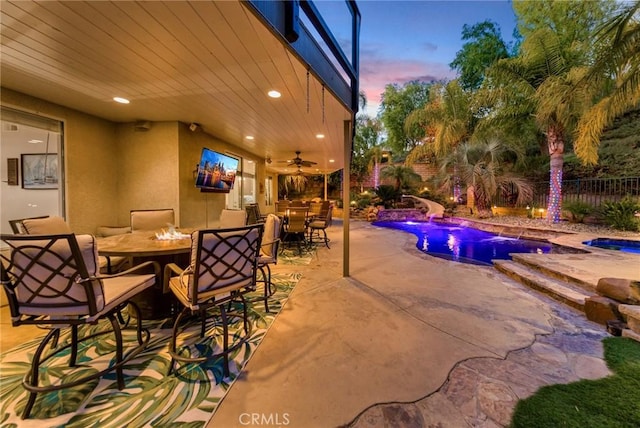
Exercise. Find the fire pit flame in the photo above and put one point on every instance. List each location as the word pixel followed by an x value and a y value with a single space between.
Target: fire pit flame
pixel 171 234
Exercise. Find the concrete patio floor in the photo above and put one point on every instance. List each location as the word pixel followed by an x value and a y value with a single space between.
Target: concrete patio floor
pixel 408 340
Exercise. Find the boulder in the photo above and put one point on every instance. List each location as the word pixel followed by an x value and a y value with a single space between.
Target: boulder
pixel 620 289
pixel 601 309
pixel 632 315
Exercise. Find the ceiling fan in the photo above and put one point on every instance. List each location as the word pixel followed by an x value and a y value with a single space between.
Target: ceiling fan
pixel 298 162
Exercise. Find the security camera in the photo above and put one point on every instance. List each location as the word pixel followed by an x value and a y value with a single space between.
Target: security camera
pixel 193 127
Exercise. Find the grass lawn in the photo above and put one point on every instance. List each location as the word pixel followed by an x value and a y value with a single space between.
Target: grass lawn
pixel 613 401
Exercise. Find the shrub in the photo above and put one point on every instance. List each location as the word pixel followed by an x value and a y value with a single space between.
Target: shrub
pixel 578 209
pixel 388 195
pixel 621 215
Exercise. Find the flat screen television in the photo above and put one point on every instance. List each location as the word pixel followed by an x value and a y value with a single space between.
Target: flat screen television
pixel 216 172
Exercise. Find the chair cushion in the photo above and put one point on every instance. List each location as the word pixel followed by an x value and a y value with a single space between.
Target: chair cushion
pixel 214 274
pixel 152 219
pixel 61 288
pixel 232 218
pixel 271 233
pixel 46 226
pixel 181 287
pixel 119 289
pixel 104 231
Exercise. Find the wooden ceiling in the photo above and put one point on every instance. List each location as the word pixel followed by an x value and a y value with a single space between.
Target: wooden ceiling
pixel 208 62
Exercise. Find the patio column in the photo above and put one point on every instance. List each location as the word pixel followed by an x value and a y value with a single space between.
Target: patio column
pixel 346 202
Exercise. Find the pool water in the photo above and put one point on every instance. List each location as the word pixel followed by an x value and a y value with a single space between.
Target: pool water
pixel 625 245
pixel 468 245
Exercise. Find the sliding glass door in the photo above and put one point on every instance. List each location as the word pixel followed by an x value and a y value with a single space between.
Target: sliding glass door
pixel 32 167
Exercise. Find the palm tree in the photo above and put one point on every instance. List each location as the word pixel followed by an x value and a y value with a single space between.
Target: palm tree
pixel 403 175
pixel 375 154
pixel 541 84
pixel 621 62
pixel 480 168
pixel 450 122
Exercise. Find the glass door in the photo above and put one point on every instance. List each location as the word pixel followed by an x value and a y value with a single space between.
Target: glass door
pixel 31 169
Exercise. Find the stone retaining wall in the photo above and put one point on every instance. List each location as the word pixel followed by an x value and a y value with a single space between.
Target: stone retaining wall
pixel 407 214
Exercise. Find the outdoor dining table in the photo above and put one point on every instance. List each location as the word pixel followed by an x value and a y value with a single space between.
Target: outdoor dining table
pixel 144 246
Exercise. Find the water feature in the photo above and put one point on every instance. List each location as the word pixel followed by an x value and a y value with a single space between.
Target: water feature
pixel 625 245
pixel 468 245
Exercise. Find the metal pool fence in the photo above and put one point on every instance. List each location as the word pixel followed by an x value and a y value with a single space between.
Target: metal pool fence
pixel 592 191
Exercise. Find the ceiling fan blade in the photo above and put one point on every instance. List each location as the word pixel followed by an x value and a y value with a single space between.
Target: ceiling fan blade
pixel 307 163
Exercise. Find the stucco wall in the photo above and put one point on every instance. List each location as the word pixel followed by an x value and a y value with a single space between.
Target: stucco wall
pixel 147 168
pixel 111 168
pixel 198 210
pixel 89 158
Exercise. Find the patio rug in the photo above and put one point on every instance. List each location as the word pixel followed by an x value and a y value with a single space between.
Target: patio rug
pixel 290 256
pixel 150 398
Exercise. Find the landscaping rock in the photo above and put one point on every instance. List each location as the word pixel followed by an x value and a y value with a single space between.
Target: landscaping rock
pixel 632 314
pixel 631 334
pixel 620 289
pixel 601 309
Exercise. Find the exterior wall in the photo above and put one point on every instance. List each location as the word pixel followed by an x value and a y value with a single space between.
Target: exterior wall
pixel 90 159
pixel 111 168
pixel 147 169
pixel 197 209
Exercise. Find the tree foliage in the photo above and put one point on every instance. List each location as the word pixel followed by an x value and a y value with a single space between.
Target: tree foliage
pixel 397 102
pixel 618 69
pixel 404 176
pixel 367 136
pixel 572 21
pixel 484 46
pixel 450 117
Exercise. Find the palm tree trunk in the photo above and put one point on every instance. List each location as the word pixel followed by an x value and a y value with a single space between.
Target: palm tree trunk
pixel 555 142
pixel 376 175
pixel 457 187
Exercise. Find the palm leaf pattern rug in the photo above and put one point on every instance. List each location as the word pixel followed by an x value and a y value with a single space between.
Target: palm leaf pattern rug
pixel 187 398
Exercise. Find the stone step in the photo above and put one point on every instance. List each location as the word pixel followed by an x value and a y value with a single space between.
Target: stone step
pixel 532 262
pixel 632 315
pixel 559 290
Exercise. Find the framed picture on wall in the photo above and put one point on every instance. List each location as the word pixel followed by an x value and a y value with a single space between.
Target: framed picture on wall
pixel 39 170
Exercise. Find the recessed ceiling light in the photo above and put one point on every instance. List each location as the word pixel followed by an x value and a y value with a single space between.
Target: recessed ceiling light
pixel 319 135
pixel 121 100
pixel 34 141
pixel 331 161
pixel 274 94
pixel 249 137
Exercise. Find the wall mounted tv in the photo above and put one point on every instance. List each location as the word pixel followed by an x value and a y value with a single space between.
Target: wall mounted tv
pixel 216 172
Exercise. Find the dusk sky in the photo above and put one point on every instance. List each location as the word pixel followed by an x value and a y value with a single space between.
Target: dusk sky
pixel 402 41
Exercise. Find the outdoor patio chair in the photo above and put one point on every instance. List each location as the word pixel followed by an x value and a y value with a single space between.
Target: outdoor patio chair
pixel 253 214
pixel 52 281
pixel 269 254
pixel 232 218
pixel 51 225
pixel 17 225
pixel 152 220
pixel 281 206
pixel 320 224
pixel 223 269
pixel 295 227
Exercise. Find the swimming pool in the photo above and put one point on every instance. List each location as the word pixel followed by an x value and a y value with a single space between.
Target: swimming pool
pixel 625 245
pixel 469 245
